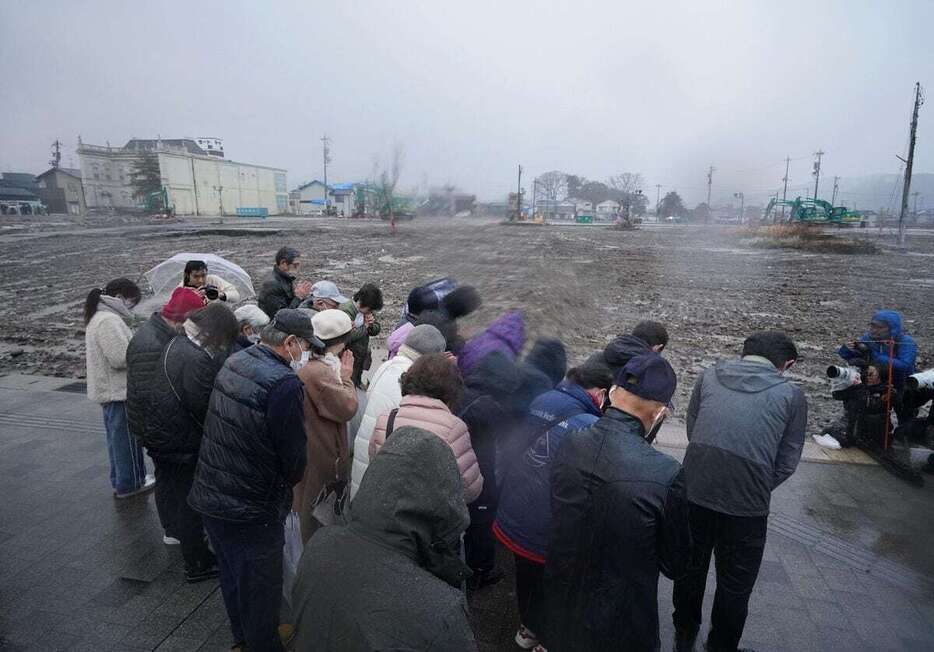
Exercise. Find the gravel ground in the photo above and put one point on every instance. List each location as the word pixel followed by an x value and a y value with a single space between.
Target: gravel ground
pixel 582 284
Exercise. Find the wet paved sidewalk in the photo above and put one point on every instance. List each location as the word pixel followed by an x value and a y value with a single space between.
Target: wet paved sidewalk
pixel 848 566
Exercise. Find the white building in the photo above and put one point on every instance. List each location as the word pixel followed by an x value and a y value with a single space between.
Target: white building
pixel 196 183
pixel 608 207
pixel 310 198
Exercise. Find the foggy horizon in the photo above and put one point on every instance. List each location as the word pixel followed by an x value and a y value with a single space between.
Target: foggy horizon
pixel 471 91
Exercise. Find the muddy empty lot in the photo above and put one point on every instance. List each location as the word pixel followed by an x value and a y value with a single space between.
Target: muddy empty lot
pixel 582 284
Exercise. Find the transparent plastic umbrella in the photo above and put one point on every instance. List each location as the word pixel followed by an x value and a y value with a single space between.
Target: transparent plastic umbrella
pixel 164 277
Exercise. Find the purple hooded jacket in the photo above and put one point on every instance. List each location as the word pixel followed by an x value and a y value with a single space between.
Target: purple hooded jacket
pixel 506 334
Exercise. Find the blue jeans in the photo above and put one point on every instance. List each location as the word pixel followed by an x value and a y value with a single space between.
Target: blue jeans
pixel 127 470
pixel 249 557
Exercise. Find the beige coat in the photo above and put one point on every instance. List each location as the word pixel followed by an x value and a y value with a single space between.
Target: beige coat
pixel 106 339
pixel 434 416
pixel 330 402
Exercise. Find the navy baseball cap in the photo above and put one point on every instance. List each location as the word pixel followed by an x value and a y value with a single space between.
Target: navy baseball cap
pixel 648 376
pixel 297 323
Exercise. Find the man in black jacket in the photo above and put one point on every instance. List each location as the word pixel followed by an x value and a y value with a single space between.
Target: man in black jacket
pixel 252 454
pixel 647 336
pixel 745 425
pixel 181 390
pixel 619 517
pixel 279 290
pixel 142 366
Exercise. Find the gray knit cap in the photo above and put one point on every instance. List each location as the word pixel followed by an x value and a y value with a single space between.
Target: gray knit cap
pixel 425 338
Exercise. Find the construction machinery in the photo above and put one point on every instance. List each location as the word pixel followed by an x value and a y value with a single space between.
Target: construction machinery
pixel 812 211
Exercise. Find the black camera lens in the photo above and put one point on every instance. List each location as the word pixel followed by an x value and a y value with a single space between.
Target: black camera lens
pixel 211 292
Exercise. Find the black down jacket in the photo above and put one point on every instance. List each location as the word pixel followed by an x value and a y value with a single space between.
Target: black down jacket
pixel 142 363
pixel 239 476
pixel 619 516
pixel 181 390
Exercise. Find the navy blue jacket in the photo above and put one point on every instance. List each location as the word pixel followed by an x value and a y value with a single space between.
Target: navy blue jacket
pixel 906 350
pixel 524 514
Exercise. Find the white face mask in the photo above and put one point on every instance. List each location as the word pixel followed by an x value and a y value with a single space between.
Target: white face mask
pixel 301 362
pixel 253 338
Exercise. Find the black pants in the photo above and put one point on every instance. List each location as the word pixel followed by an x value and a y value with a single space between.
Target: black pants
pixel 737 543
pixel 530 593
pixel 173 482
pixel 480 547
pixel 249 557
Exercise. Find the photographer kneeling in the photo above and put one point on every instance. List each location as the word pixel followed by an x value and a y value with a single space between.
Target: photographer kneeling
pixel 212 287
pixel 862 390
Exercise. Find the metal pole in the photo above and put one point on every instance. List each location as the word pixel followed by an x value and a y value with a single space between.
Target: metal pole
pixel 519 196
pixel 908 164
pixel 819 154
pixel 710 172
pixel 327 200
pixel 785 188
pixel 658 199
pixel 833 199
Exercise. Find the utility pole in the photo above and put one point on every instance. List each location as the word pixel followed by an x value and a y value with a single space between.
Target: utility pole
pixel 915 211
pixel 56 154
pixel 919 100
pixel 658 199
pixel 836 186
pixel 710 172
pixel 519 196
pixel 819 154
pixel 327 159
pixel 785 188
pixel 742 205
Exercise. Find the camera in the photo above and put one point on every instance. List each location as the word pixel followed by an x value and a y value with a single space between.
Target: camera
pixel 921 380
pixel 843 377
pixel 211 292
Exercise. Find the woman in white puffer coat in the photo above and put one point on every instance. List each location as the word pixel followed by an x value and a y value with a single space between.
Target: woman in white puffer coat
pixel 384 393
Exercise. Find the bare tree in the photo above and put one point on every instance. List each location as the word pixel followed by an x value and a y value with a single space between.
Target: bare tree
pixel 626 183
pixel 386 179
pixel 553 185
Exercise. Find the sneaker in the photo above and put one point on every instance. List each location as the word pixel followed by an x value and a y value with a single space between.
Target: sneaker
pixel 170 541
pixel 525 638
pixel 147 486
pixel 539 648
pixel 201 575
pixel 827 441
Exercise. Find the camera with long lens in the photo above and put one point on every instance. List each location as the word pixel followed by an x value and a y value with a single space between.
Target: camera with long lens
pixel 843 377
pixel 211 292
pixel 921 380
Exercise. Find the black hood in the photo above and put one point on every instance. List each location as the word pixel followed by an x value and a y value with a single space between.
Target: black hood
pixel 549 357
pixel 495 375
pixel 411 499
pixel 623 349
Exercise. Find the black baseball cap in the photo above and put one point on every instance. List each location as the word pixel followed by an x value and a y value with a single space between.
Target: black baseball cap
pixel 297 323
pixel 648 376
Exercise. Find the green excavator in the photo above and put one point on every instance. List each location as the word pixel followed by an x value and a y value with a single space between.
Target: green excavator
pixel 812 211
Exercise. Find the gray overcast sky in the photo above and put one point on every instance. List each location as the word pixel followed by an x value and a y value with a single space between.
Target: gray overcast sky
pixel 471 88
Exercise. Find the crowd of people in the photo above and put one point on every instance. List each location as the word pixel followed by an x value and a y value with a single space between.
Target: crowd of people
pixel 403 484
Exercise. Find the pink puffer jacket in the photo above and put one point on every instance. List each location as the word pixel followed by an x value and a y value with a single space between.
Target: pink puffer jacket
pixel 434 416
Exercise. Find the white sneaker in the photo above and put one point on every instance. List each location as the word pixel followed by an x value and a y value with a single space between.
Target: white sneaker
pixel 170 541
pixel 525 638
pixel 827 441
